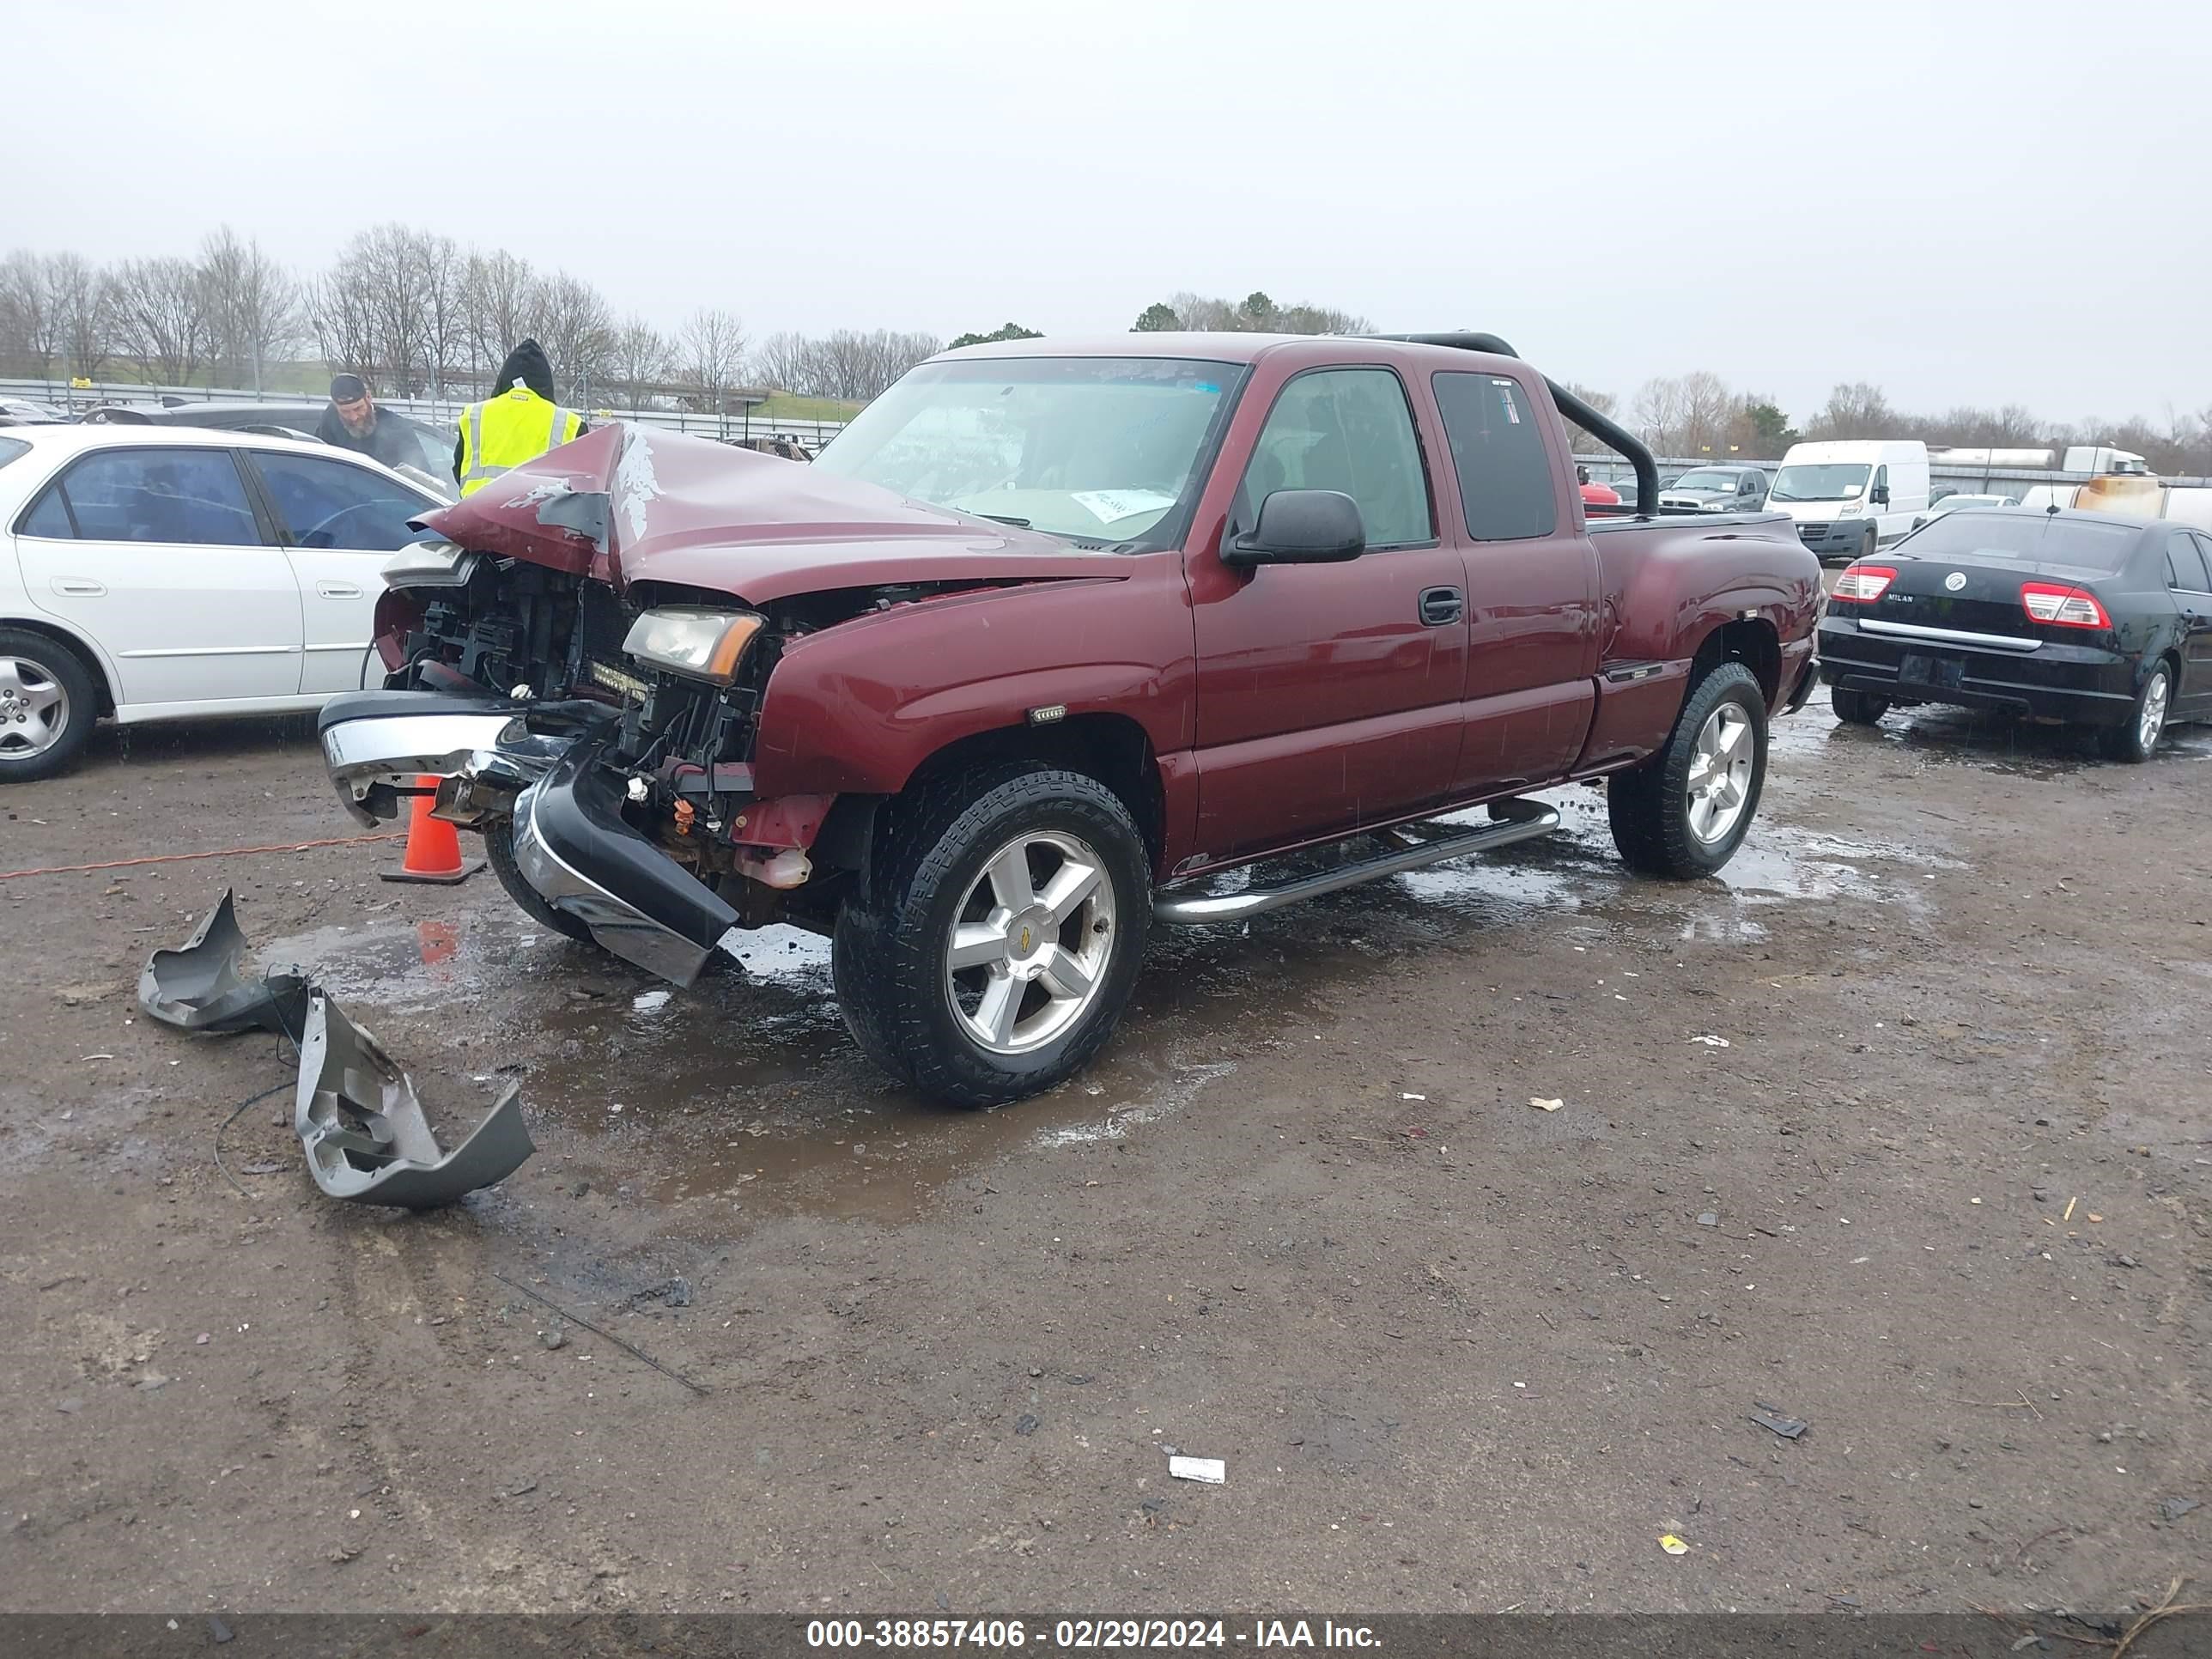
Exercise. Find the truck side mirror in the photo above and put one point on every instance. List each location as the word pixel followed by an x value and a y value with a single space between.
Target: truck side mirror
pixel 1302 526
pixel 1880 496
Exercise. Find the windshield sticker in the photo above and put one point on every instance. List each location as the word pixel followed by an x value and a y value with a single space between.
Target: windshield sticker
pixel 1111 506
pixel 1505 397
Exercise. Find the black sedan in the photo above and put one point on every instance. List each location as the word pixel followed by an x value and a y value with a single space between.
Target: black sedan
pixel 2077 617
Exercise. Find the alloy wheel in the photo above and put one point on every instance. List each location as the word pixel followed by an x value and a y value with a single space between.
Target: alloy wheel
pixel 1720 773
pixel 34 709
pixel 1031 942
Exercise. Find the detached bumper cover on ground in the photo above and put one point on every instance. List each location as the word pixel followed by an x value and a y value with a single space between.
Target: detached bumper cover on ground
pixel 198 987
pixel 356 1112
pixel 366 1139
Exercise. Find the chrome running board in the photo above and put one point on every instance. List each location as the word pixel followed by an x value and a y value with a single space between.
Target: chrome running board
pixel 1517 820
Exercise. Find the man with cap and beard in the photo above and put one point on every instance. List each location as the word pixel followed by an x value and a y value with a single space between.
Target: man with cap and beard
pixel 519 423
pixel 353 421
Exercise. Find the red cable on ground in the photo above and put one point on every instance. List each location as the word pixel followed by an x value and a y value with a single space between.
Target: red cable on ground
pixel 179 858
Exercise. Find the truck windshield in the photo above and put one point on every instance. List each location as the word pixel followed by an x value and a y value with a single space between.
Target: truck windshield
pixel 1831 481
pixel 1706 481
pixel 1093 448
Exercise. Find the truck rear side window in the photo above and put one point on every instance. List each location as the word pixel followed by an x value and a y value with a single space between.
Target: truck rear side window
pixel 1506 485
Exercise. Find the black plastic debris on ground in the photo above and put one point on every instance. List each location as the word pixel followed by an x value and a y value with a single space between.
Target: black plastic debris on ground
pixel 198 987
pixel 1789 1428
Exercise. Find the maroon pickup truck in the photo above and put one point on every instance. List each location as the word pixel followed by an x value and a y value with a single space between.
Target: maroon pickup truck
pixel 1047 640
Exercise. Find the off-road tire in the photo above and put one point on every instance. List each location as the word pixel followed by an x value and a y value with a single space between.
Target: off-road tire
pixel 2126 742
pixel 499 853
pixel 55 662
pixel 1648 807
pixel 1857 708
pixel 888 950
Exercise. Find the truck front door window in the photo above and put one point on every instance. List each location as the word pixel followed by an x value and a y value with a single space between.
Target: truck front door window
pixel 1506 485
pixel 1347 429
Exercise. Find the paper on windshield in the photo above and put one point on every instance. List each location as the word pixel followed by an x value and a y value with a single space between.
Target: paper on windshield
pixel 1111 506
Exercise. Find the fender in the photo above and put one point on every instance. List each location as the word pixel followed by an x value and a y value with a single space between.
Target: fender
pixel 83 643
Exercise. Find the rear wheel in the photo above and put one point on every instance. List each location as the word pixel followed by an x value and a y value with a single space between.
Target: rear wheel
pixel 1001 934
pixel 1685 812
pixel 47 706
pixel 2137 738
pixel 1857 707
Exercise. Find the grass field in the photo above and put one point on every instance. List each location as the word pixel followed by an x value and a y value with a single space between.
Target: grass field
pixel 788 406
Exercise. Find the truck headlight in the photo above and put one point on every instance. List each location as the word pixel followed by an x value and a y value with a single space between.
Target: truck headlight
pixel 703 645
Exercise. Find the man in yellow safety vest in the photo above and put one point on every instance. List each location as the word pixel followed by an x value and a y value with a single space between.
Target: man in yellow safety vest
pixel 519 423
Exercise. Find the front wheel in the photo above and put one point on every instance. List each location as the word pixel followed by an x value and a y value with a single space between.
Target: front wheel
pixel 1000 936
pixel 1857 708
pixel 1685 812
pixel 2136 740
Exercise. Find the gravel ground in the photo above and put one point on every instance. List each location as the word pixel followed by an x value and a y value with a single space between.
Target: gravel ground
pixel 1938 1186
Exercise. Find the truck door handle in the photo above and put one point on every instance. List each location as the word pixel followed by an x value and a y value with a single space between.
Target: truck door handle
pixel 78 587
pixel 337 590
pixel 1441 606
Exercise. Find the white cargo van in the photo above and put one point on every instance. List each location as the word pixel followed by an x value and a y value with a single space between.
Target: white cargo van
pixel 1852 496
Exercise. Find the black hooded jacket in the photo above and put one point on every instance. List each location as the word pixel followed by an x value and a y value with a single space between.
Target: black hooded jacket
pixel 527 365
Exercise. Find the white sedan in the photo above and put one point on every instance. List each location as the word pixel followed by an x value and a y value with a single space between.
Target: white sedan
pixel 175 573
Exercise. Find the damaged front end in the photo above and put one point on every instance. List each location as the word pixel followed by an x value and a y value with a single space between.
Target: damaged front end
pixel 605 732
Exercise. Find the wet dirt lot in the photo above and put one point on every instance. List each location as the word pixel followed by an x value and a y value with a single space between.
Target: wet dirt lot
pixel 1943 1193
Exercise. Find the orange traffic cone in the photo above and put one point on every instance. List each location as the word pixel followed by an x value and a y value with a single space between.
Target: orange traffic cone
pixel 434 847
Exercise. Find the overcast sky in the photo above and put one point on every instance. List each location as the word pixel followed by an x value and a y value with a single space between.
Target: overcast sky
pixel 1964 203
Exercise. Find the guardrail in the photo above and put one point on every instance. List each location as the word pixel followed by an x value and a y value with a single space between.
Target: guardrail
pixel 731 425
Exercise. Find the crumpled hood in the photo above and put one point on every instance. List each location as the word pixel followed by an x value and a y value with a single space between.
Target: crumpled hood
pixel 626 503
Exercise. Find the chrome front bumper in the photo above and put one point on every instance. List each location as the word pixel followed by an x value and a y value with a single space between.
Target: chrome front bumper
pixel 572 843
pixel 378 743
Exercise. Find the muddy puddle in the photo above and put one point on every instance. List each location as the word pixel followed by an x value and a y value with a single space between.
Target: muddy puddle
pixel 743 1096
pixel 1938 737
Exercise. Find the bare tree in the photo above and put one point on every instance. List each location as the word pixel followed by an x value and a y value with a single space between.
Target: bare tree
pixel 31 330
pixel 1858 410
pixel 344 321
pixel 253 305
pixel 445 310
pixel 642 358
pixel 1657 412
pixel 162 317
pixel 1601 401
pixel 81 300
pixel 576 326
pixel 710 350
pixel 846 365
pixel 1707 408
pixel 784 360
pixel 501 307
pixel 856 368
